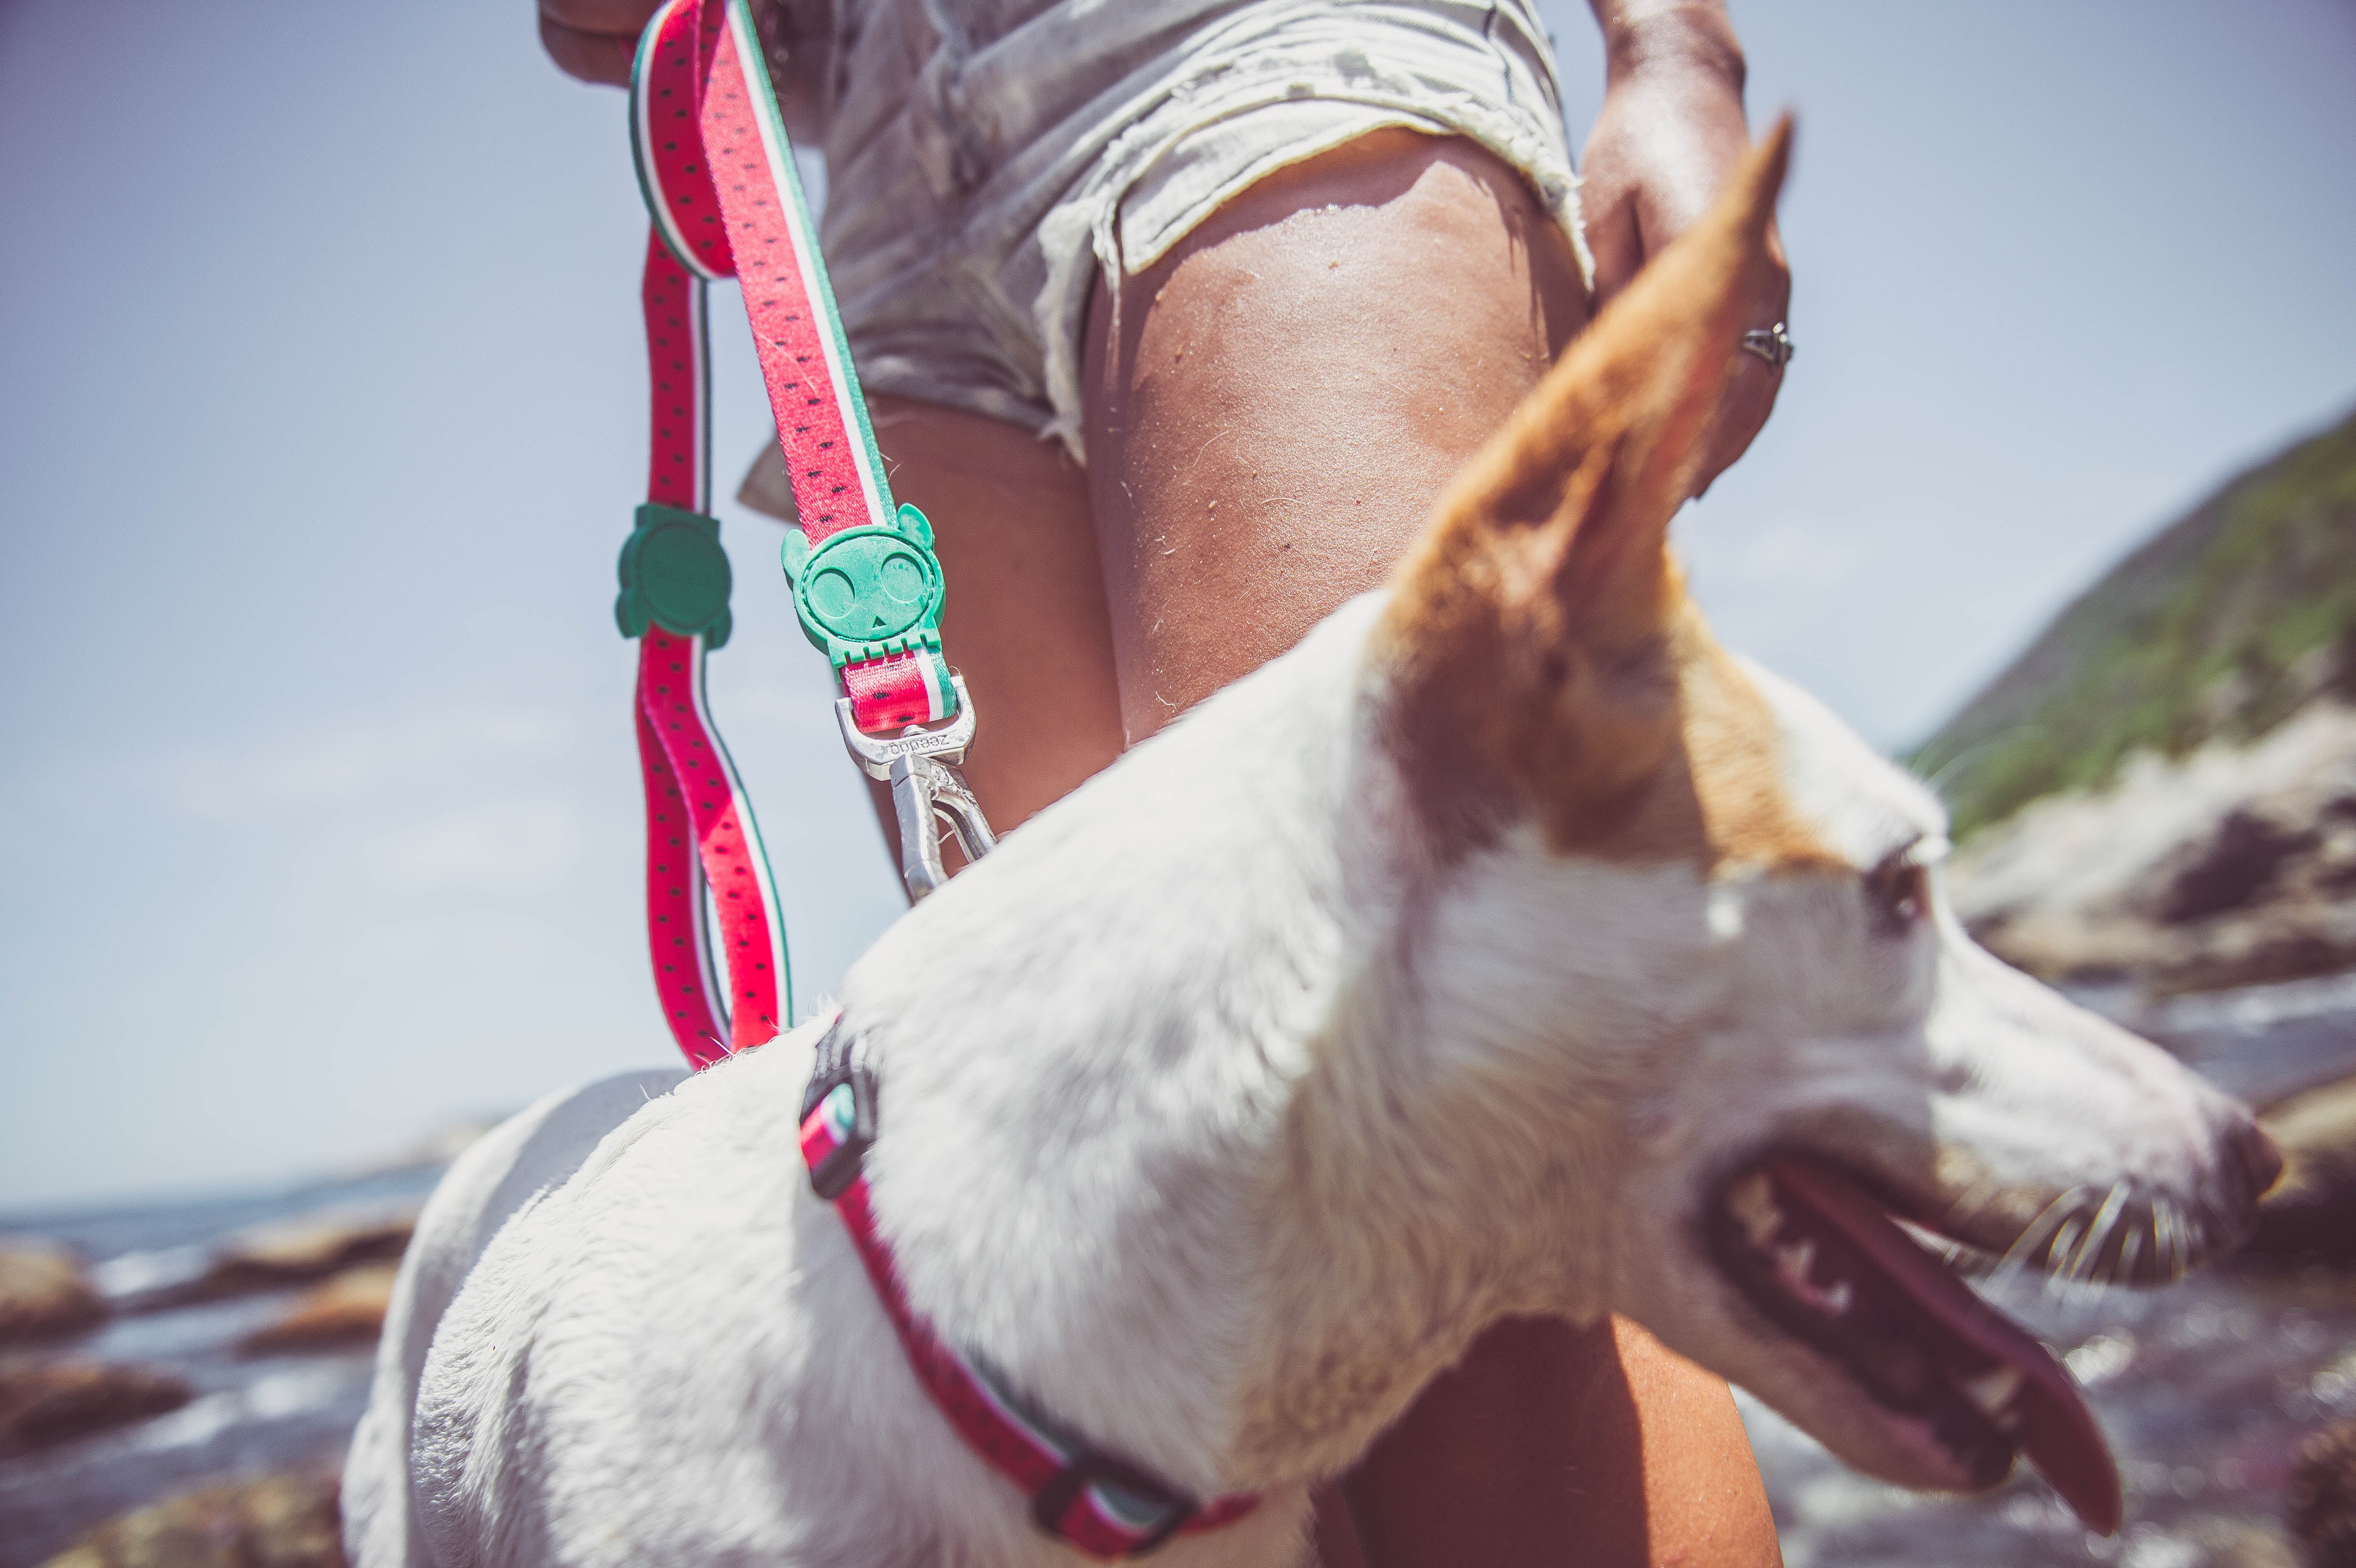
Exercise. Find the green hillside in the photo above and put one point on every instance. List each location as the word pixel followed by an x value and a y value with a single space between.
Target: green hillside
pixel 2207 630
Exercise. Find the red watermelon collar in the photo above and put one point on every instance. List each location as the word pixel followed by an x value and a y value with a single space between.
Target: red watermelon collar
pixel 1104 1505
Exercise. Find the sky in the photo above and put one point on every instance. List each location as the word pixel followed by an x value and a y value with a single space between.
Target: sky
pixel 324 422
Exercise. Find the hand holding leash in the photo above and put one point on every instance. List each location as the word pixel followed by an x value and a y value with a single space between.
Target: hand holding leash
pixel 594 41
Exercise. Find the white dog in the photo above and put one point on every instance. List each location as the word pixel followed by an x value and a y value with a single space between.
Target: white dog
pixel 1507 949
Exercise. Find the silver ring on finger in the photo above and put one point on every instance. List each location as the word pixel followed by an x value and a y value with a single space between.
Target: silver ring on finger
pixel 1772 344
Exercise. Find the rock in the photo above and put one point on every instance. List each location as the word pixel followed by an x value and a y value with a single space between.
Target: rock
pixel 2263 951
pixel 346 1310
pixel 2233 866
pixel 287 1520
pixel 44 1290
pixel 46 1402
pixel 2322 1498
pixel 2310 1214
pixel 301 1249
pixel 2246 852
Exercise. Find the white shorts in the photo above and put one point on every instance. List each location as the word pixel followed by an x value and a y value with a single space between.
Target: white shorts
pixel 986 158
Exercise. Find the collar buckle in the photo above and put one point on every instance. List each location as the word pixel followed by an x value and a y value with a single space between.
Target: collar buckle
pixel 1089 1467
pixel 837 1121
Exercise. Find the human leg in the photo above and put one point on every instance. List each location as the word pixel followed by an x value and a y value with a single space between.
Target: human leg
pixel 1024 620
pixel 1549 1443
pixel 1291 387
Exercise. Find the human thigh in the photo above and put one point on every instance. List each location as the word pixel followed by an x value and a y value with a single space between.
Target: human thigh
pixel 1272 409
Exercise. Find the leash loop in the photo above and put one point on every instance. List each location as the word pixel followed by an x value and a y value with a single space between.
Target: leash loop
pixel 667 143
pixel 711 904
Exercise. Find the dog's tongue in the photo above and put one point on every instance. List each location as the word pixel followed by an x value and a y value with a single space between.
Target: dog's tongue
pixel 2057 1432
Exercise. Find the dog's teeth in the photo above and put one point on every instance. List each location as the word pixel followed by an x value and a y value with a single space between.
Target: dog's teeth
pixel 1751 1201
pixel 1838 1296
pixel 1796 1259
pixel 1992 1391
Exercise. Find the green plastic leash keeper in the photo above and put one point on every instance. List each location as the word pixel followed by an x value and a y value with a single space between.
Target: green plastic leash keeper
pixel 675 575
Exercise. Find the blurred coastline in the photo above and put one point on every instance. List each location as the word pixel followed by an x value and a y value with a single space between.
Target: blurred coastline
pixel 2207 1389
pixel 244 1413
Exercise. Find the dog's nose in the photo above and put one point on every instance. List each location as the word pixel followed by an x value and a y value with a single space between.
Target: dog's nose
pixel 2255 1152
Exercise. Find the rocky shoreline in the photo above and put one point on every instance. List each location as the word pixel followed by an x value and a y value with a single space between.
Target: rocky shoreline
pixel 2240 1385
pixel 2234 865
pixel 48 1298
pixel 2231 1399
pixel 184 1403
pixel 289 1519
pixel 45 1291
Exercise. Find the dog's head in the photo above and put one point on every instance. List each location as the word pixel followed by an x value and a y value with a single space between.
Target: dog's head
pixel 1685 901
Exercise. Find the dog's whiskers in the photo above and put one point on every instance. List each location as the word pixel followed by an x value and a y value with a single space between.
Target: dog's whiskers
pixel 2120 1236
pixel 2130 1250
pixel 2098 1235
pixel 2180 1238
pixel 2031 1243
pixel 2066 1237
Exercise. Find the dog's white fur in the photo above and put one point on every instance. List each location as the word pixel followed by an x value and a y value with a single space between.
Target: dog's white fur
pixel 1221 1108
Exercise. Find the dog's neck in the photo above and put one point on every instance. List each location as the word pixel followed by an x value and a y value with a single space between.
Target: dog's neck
pixel 1179 1131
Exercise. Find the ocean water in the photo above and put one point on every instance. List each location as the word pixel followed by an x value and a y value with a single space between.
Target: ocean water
pixel 2205 1389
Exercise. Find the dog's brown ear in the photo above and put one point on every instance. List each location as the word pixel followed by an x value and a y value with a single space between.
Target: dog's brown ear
pixel 1530 628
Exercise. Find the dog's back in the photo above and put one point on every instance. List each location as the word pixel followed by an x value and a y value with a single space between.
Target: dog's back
pixel 531 1154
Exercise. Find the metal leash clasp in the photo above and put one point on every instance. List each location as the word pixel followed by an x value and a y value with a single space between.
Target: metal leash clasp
pixel 927 791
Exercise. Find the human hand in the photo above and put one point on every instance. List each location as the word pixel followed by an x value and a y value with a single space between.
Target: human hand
pixel 1670 132
pixel 593 39
pixel 597 40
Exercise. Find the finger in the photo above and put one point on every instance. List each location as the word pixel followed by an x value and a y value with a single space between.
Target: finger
pixel 1607 203
pixel 1617 246
pixel 614 18
pixel 589 57
pixel 1751 390
pixel 1749 399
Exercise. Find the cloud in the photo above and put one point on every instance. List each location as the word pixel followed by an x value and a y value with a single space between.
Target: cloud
pixel 357 757
pixel 1790 554
pixel 503 845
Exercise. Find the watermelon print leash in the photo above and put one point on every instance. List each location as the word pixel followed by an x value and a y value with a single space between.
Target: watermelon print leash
pixel 717 171
pixel 718 175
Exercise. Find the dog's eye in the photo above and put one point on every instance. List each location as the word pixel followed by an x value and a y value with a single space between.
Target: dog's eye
pixel 1897 891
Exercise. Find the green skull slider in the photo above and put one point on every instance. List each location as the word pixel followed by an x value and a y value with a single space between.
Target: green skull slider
pixel 868 592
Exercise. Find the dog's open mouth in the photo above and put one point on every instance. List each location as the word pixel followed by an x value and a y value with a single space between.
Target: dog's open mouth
pixel 1804 1242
